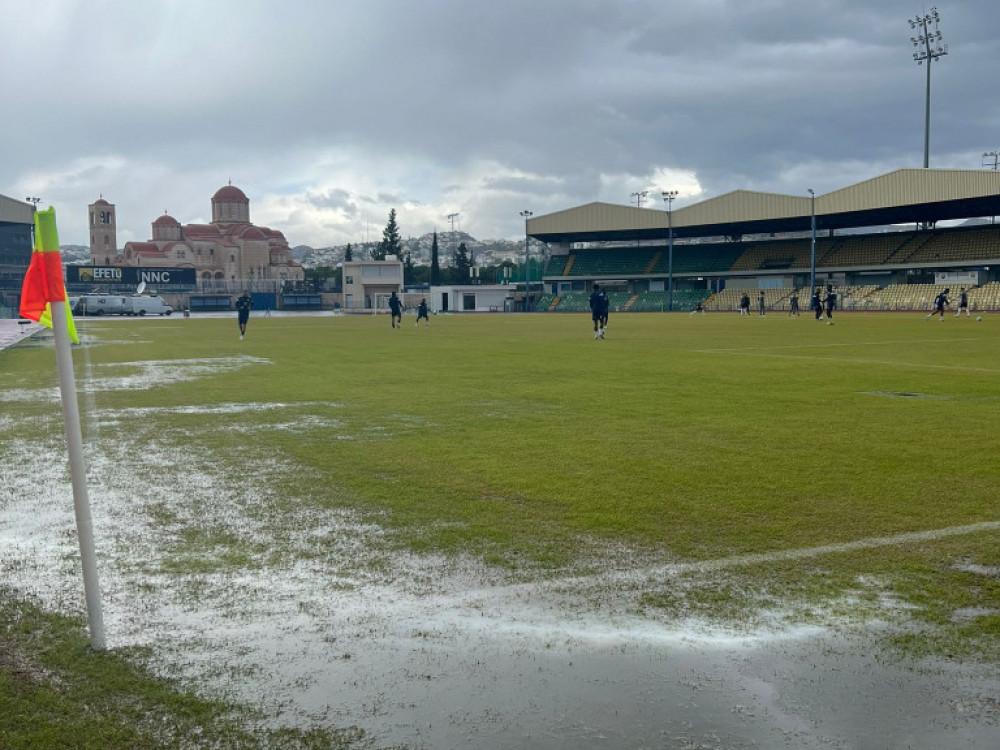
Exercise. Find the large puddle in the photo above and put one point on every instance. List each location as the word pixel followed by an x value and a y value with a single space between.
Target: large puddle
pixel 438 653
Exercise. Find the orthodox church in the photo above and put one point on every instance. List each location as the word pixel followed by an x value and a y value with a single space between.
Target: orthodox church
pixel 230 249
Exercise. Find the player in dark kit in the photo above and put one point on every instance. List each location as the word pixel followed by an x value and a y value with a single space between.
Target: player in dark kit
pixel 745 304
pixel 831 304
pixel 597 311
pixel 793 307
pixel 396 308
pixel 816 305
pixel 605 311
pixel 422 312
pixel 940 302
pixel 963 304
pixel 243 305
pixel 760 303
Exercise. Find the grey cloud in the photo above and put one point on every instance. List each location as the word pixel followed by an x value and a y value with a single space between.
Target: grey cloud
pixel 744 94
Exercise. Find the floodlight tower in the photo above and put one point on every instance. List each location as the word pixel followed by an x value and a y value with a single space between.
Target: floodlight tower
pixel 929 35
pixel 638 198
pixel 668 198
pixel 34 201
pixel 452 218
pixel 994 155
pixel 812 242
pixel 527 294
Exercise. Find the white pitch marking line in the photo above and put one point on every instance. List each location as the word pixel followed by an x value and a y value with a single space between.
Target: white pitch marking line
pixel 756 558
pixel 644 576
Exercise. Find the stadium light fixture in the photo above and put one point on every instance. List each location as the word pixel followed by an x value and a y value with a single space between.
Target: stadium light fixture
pixel 668 198
pixel 639 197
pixel 812 242
pixel 34 201
pixel 933 49
pixel 527 288
pixel 994 155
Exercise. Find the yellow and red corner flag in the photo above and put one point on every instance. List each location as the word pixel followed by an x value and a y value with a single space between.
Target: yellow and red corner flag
pixel 43 283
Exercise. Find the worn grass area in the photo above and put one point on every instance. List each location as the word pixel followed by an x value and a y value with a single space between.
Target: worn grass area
pixel 55 692
pixel 521 440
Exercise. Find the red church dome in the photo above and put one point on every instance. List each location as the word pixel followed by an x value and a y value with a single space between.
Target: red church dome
pixel 166 221
pixel 229 194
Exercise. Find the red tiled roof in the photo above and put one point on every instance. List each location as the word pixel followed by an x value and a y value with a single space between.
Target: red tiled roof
pixel 166 220
pixel 145 248
pixel 201 230
pixel 101 202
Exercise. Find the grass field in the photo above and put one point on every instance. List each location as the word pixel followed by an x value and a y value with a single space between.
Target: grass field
pixel 715 463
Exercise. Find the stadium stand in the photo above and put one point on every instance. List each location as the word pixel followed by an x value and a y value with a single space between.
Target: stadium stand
pixel 777 254
pixel 986 297
pixel 871 250
pixel 684 299
pixel 618 300
pixel 556 265
pixel 956 245
pixel 965 248
pixel 574 302
pixel 632 262
pixel 728 300
pixel 902 297
pixel 612 262
pixel 544 302
pixel 701 259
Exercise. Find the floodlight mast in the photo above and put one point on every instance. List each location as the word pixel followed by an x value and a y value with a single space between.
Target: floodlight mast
pixel 995 156
pixel 668 198
pixel 812 242
pixel 527 292
pixel 638 198
pixel 926 38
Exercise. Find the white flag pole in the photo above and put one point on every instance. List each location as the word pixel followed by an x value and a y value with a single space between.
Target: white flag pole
pixel 78 474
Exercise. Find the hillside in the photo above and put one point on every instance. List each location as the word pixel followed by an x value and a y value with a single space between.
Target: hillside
pixel 484 252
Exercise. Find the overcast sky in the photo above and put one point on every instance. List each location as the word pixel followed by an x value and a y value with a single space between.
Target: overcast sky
pixel 328 113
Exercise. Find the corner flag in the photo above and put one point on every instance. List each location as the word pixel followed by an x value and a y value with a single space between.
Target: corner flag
pixel 43 283
pixel 43 298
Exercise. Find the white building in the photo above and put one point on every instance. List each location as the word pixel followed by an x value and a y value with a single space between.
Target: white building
pixel 368 283
pixel 471 298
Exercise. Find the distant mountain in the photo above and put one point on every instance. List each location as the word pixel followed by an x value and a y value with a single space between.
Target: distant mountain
pixel 75 254
pixel 484 252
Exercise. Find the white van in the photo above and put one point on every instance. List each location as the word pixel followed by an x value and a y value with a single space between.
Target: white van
pixel 139 305
pixel 100 304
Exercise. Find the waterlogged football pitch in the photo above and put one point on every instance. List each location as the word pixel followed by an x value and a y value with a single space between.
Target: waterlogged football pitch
pixel 495 531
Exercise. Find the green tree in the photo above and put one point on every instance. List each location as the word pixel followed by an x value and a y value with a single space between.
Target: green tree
pixel 391 243
pixel 435 263
pixel 408 268
pixel 319 278
pixel 420 275
pixel 348 254
pixel 461 265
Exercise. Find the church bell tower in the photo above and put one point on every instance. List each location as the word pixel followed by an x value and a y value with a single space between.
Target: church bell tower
pixel 103 233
